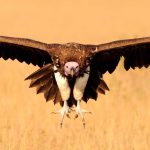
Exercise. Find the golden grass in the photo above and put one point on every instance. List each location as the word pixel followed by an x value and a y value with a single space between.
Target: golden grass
pixel 120 120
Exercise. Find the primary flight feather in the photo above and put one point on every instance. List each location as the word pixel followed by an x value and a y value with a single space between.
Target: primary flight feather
pixel 73 72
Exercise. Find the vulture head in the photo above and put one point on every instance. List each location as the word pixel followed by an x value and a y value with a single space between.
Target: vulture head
pixel 71 68
pixel 73 65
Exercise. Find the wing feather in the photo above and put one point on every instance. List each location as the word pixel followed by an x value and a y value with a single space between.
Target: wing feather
pixel 101 90
pixel 44 81
pixel 136 53
pixel 40 72
pixel 40 81
pixel 25 50
pixel 51 92
pixel 57 98
pixel 103 85
pixel 44 87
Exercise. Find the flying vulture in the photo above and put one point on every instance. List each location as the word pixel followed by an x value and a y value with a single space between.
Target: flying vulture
pixel 71 72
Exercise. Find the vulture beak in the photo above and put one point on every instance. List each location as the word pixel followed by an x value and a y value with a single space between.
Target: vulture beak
pixel 72 72
pixel 71 69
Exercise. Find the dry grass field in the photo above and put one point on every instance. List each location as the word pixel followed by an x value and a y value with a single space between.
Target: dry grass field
pixel 120 120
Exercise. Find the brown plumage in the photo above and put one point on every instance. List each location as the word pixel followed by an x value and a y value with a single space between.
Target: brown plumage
pixel 45 69
pixel 51 92
pixel 100 58
pixel 44 87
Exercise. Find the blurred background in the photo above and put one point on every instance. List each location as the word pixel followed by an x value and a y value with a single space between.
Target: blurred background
pixel 120 120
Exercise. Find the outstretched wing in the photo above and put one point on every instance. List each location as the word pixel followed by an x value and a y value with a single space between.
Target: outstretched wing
pixel 136 53
pixel 26 50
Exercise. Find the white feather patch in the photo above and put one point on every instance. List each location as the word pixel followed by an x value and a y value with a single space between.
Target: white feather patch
pixel 63 85
pixel 80 85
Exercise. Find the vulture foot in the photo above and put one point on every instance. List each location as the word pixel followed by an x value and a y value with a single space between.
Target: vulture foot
pixel 65 110
pixel 80 111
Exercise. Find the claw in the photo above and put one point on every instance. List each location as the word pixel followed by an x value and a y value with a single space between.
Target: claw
pixel 68 116
pixel 83 121
pixel 76 116
pixel 80 111
pixel 65 110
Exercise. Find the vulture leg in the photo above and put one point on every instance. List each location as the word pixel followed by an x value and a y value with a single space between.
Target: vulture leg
pixel 80 111
pixel 65 90
pixel 78 92
pixel 65 110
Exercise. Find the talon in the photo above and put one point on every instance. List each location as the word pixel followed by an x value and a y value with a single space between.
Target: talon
pixel 83 121
pixel 80 111
pixel 53 113
pixel 84 124
pixel 61 125
pixel 76 116
pixel 68 116
pixel 65 110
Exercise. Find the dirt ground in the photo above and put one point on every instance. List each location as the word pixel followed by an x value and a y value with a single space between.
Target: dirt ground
pixel 120 120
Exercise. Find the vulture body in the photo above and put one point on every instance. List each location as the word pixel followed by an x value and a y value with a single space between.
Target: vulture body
pixel 71 72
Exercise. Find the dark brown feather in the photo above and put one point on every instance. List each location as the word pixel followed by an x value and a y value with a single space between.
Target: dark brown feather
pixel 44 80
pixel 40 72
pixel 51 92
pixel 100 90
pixel 40 81
pixel 103 85
pixel 136 53
pixel 92 85
pixel 26 50
pixel 58 98
pixel 44 87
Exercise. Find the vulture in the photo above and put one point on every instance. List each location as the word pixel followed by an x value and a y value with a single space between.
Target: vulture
pixel 70 73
